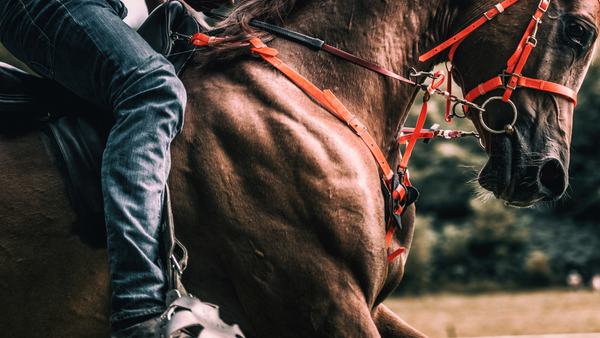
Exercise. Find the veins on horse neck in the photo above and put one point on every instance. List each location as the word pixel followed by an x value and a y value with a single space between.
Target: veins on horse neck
pixel 387 34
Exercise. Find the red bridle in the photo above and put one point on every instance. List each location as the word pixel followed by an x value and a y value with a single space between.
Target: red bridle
pixel 514 67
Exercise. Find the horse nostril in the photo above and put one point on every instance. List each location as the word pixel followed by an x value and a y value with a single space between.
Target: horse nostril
pixel 552 177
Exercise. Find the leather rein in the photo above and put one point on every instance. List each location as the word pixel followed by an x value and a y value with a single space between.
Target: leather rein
pixel 401 192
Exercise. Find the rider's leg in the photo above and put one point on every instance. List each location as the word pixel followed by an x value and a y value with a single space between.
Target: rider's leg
pixel 84 45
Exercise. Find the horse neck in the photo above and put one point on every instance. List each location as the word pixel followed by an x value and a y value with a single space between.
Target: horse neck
pixel 391 34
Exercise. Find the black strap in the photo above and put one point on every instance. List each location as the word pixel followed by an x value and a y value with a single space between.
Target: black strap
pixel 173 253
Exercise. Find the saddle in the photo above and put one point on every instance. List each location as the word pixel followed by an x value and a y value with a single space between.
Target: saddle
pixel 78 130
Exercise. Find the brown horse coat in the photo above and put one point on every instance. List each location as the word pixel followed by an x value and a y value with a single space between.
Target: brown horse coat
pixel 277 201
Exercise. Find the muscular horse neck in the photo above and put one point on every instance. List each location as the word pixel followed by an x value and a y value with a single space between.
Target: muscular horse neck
pixel 391 34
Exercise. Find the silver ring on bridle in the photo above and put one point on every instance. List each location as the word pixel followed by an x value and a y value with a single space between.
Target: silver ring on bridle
pixel 509 129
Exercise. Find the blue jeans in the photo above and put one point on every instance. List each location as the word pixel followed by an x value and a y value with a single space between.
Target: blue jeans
pixel 85 46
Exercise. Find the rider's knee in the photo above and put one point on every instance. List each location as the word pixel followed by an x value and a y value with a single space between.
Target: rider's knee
pixel 153 85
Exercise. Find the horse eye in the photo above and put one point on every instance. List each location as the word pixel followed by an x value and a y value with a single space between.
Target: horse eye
pixel 576 32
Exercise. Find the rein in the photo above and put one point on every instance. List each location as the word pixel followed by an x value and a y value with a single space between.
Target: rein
pixel 400 193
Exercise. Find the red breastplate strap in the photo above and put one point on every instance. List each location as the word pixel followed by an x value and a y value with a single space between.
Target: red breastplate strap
pixel 326 98
pixel 334 106
pixel 515 64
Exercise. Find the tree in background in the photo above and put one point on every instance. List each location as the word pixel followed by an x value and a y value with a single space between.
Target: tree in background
pixel 466 242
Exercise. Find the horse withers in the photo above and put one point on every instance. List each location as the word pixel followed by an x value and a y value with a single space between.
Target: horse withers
pixel 280 204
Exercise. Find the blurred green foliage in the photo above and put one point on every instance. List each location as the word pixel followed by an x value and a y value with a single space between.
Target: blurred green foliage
pixel 467 241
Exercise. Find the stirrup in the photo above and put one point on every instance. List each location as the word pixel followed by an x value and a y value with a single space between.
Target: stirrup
pixel 188 311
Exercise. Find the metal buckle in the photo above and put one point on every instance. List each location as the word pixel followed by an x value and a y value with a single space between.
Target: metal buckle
pixel 516 85
pixel 415 73
pixel 547 5
pixel 530 38
pixel 498 7
pixel 353 129
pixel 504 75
pixel 486 16
pixel 180 37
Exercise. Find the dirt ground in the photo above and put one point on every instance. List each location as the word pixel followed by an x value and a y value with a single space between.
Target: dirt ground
pixel 501 314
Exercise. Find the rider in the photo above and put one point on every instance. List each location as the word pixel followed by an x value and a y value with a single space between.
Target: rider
pixel 85 46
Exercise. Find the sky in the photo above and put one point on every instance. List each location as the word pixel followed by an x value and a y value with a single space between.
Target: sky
pixel 137 12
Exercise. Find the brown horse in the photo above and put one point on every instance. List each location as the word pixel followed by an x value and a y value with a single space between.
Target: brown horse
pixel 278 202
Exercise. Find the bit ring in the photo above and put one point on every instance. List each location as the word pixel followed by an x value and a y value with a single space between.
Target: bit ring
pixel 509 127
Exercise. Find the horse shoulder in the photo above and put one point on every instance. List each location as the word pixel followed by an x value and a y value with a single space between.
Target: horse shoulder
pixel 292 198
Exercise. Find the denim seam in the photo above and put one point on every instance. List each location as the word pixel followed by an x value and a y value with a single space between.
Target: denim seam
pixel 83 26
pixel 6 15
pixel 50 70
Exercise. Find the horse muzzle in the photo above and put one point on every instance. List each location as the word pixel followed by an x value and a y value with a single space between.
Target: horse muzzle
pixel 522 174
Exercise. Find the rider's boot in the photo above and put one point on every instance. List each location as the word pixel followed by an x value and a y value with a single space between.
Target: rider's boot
pixel 145 329
pixel 185 315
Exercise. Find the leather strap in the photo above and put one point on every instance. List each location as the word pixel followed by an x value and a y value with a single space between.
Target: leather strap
pixel 388 239
pixel 366 64
pixel 523 54
pixel 487 16
pixel 337 109
pixel 484 88
pixel 170 251
pixel 328 100
pixel 523 82
pixel 413 138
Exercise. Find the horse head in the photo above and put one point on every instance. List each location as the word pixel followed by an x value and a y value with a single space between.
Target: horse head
pixel 527 137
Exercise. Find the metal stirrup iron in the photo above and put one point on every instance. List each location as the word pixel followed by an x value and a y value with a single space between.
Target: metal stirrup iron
pixel 183 309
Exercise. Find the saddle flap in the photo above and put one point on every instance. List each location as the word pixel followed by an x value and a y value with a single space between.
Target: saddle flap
pixel 17 90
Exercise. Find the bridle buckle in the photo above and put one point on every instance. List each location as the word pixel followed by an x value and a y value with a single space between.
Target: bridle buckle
pixel 532 38
pixel 543 3
pixel 505 82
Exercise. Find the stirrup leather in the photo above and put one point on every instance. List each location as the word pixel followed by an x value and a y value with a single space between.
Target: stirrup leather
pixel 188 311
pixel 184 310
pixel 171 249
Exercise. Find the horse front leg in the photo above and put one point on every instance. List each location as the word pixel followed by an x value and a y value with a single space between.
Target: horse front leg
pixel 392 326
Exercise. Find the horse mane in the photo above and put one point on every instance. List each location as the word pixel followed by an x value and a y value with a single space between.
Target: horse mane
pixel 236 30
